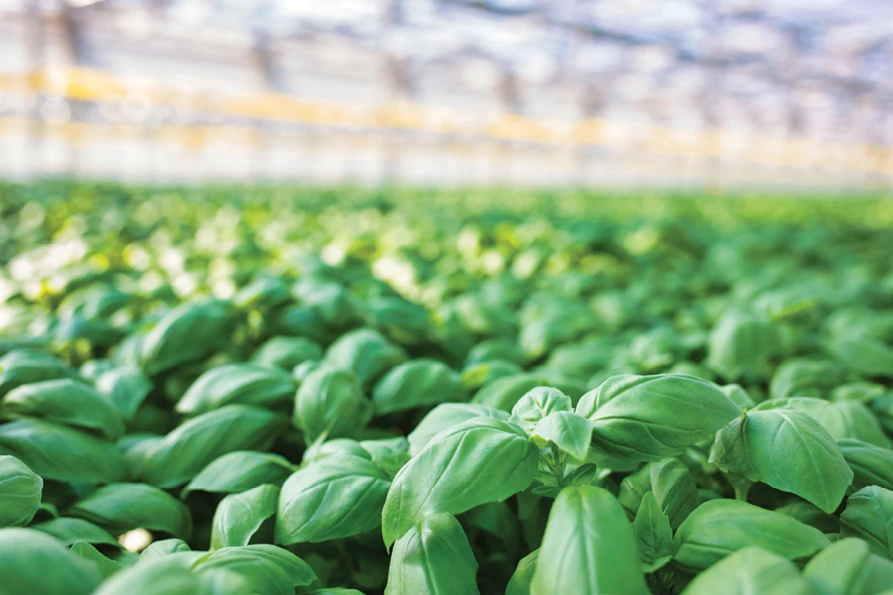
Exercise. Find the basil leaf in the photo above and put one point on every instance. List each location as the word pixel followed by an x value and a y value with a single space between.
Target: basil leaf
pixel 34 563
pixel 120 507
pixel 648 418
pixel 26 366
pixel 742 346
pixel 504 393
pixel 842 419
pixel 20 492
pixel 67 402
pixel 434 556
pixel 871 465
pixel 186 334
pixel 446 416
pixel 366 353
pixel 186 450
pixel 287 352
pixel 847 567
pixel 588 547
pixel 720 527
pixel 654 536
pixel 332 498
pixel 330 403
pixel 244 384
pixel 239 516
pixel 519 583
pixel 869 515
pixel 566 430
pixel 104 566
pixel 481 460
pixel 750 570
pixel 267 568
pixel 538 403
pixel 417 383
pixel 788 450
pixel 69 530
pixel 61 453
pixel 239 471
pixel 126 387
pixel 154 577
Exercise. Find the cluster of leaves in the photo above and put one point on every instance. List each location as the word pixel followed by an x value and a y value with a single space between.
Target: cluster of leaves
pixel 405 398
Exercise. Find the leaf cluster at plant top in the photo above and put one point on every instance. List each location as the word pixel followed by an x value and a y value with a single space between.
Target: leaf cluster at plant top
pixel 355 391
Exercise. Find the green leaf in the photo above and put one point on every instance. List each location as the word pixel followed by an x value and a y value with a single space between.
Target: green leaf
pixel 366 353
pixel 481 460
pixel 805 378
pixel 239 516
pixel 649 418
pixel 417 383
pixel 164 547
pixel 566 430
pixel 239 471
pixel 154 577
pixel 188 449
pixel 287 352
pixel 120 507
pixel 847 567
pixel 245 384
pixel 61 453
pixel 104 566
pixel 842 419
pixel 268 569
pixel 741 346
pixel 720 527
pixel 671 483
pixel 750 570
pixel 330 403
pixel 504 393
pixel 738 395
pixel 332 498
pixel 588 547
pixel 20 492
pixel 67 402
pixel 433 556
pixel 519 583
pixel 186 334
pixel 69 530
pixel 26 366
pixel 446 416
pixel 869 515
pixel 34 563
pixel 864 354
pixel 653 534
pixel 537 404
pixel 126 387
pixel 788 450
pixel 871 465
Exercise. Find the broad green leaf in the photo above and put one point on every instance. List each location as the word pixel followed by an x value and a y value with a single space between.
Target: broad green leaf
pixel 239 516
pixel 504 393
pixel 26 366
pixel 120 507
pixel 750 571
pixel 568 431
pixel 810 514
pixel 68 402
pixel 842 419
pixel 186 450
pixel 154 577
pixel 20 492
pixel 245 384
pixel 389 454
pixel 287 352
pixel 69 530
pixel 864 354
pixel 126 387
pixel 165 547
pixel 332 498
pixel 805 378
pixel 537 404
pixel 720 527
pixel 789 450
pixel 741 347
pixel 187 334
pixel 589 547
pixel 738 395
pixel 869 515
pixel 417 383
pixel 366 353
pixel 104 566
pixel 446 416
pixel 654 536
pixel 34 563
pixel 330 402
pixel 871 465
pixel 267 568
pixel 847 567
pixel 481 460
pixel 61 453
pixel 519 583
pixel 239 471
pixel 649 418
pixel 434 556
